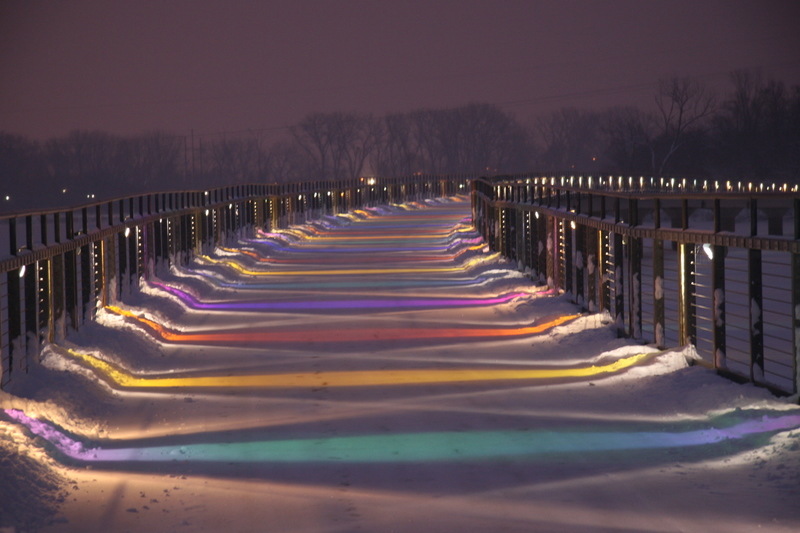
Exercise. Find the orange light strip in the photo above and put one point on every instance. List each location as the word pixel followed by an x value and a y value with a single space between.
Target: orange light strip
pixel 344 272
pixel 316 335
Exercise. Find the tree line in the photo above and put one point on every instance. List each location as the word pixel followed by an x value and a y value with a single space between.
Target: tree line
pixel 752 132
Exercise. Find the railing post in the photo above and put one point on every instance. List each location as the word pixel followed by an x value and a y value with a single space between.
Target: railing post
pixel 659 310
pixel 15 342
pixel 635 270
pixel 43 298
pixel 756 304
pixel 756 317
pixel 31 339
pixel 57 330
pixel 519 233
pixel 551 239
pixel 12 236
pixel 687 300
pixel 718 302
pixel 619 282
pixel 123 274
pixel 796 318
pixel 796 298
pixel 592 268
pixel 29 232
pixel 86 283
pixel 70 289
pixel 569 254
pixel 580 253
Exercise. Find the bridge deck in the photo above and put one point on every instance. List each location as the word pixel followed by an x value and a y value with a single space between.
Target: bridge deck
pixel 386 373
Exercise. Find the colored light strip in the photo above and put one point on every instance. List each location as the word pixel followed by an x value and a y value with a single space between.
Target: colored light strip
pixel 367 257
pixel 397 231
pixel 317 335
pixel 413 447
pixel 446 230
pixel 360 378
pixel 394 303
pixel 351 284
pixel 350 272
pixel 297 249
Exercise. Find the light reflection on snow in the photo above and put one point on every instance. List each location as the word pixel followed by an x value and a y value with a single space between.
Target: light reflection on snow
pixel 389 303
pixel 360 378
pixel 418 447
pixel 319 335
pixel 352 271
pixel 368 257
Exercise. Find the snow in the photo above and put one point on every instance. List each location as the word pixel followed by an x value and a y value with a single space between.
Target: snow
pixel 382 399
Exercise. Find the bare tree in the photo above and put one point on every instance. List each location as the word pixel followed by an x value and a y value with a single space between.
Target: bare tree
pixel 337 144
pixel 683 106
pixel 757 131
pixel 398 152
pixel 628 135
pixel 287 163
pixel 570 140
pixel 235 160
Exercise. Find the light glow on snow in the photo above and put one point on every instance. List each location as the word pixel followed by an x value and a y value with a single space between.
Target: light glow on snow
pixel 391 303
pixel 352 271
pixel 361 378
pixel 342 335
pixel 439 258
pixel 416 447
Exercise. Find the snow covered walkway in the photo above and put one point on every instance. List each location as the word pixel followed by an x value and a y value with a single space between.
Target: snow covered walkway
pixel 382 371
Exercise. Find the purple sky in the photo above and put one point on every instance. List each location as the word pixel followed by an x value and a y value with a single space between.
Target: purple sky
pixel 227 66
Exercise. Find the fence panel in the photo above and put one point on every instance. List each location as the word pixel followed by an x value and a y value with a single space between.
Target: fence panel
pixel 677 261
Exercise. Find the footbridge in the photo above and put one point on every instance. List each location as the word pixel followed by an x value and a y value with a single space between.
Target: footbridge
pixel 420 354
pixel 672 262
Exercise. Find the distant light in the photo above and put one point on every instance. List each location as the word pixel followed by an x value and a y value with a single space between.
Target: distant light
pixel 127 232
pixel 536 214
pixel 22 271
pixel 206 212
pixel 708 250
pixel 63 191
pixel 8 197
pixel 572 224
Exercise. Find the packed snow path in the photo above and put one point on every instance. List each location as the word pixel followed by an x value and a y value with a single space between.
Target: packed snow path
pixel 383 371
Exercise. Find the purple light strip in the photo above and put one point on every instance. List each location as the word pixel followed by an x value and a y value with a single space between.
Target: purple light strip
pixel 194 303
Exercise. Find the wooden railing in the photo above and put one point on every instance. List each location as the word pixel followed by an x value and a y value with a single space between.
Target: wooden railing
pixel 58 267
pixel 673 262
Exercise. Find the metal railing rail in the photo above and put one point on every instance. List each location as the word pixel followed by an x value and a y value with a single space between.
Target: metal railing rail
pixel 674 262
pixel 57 267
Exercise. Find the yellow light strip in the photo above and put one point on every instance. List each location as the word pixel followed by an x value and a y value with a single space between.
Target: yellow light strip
pixel 364 378
pixel 469 264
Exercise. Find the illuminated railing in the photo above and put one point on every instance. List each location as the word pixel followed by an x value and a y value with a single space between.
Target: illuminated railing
pixel 715 264
pixel 57 267
pixel 711 263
